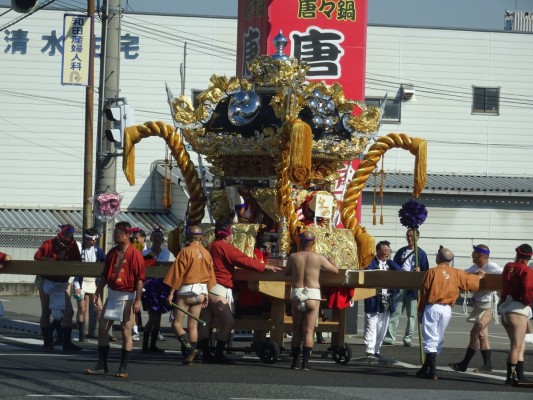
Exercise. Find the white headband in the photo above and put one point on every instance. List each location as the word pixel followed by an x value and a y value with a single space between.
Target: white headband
pixel 95 237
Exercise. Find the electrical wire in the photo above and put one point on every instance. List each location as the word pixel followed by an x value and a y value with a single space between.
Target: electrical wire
pixel 172 39
pixel 13 22
pixel 445 93
pixel 193 37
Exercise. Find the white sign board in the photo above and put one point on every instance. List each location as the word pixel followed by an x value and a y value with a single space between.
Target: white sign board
pixel 77 57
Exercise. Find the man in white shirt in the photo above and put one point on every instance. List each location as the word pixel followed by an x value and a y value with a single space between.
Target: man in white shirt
pixel 483 312
pixel 379 307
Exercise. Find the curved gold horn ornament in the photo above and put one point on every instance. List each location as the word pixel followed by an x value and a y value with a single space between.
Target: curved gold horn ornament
pixel 134 134
pixel 348 208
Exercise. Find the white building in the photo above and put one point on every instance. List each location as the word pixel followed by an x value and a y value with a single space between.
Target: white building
pixel 467 92
pixel 518 21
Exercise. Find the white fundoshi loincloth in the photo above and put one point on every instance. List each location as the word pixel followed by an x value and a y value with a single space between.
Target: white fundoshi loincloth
pixel 303 294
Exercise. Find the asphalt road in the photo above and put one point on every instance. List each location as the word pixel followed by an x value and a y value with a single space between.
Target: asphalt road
pixel 26 372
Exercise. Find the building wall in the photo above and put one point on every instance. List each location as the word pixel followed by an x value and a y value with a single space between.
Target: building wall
pixel 456 222
pixel 442 66
pixel 42 131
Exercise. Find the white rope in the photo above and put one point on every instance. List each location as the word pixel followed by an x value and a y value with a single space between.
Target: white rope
pixel 494 307
pixel 466 296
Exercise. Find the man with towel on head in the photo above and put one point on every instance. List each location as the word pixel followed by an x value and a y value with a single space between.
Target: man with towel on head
pixel 304 269
pixel 484 311
pixel 124 274
pixel 55 301
pixel 189 279
pixel 225 258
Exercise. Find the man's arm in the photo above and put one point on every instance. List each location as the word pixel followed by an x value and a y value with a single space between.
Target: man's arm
pixel 329 265
pixel 4 257
pixel 394 266
pixel 423 262
pixel 99 292
pixel 241 260
pixel 138 293
pixel 42 251
pixel 288 268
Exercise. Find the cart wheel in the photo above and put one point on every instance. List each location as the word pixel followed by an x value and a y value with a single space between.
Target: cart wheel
pixel 269 352
pixel 342 355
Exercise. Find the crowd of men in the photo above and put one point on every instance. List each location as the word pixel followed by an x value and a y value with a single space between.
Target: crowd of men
pixel 199 285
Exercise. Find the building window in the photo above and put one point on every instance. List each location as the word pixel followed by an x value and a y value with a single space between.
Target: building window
pixel 486 100
pixel 392 111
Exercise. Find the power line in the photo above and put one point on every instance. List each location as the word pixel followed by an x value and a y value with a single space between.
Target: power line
pixel 458 91
pixel 194 38
pixel 24 16
pixel 153 34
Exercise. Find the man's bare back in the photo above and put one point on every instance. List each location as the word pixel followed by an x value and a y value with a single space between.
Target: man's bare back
pixel 304 267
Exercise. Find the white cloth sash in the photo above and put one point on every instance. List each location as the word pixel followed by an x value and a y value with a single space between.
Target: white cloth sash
pixel 89 285
pixel 194 289
pixel 222 291
pixel 56 291
pixel 116 300
pixel 303 294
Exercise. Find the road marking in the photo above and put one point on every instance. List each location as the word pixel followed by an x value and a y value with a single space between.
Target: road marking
pixel 77 396
pixel 31 341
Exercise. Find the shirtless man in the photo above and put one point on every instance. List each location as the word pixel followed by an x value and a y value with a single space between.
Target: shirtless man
pixel 304 268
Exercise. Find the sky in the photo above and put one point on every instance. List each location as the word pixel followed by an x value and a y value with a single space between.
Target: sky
pixel 462 14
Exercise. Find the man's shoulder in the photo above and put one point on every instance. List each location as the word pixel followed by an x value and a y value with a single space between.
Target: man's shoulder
pixel 492 267
pixel 421 250
pixel 401 249
pixel 473 268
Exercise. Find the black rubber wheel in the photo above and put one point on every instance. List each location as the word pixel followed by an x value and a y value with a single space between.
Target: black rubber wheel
pixel 269 352
pixel 342 355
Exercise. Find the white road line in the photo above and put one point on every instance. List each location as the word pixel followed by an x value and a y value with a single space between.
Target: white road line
pixel 31 341
pixel 77 396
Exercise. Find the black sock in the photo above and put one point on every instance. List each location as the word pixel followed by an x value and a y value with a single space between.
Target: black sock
pixel 306 355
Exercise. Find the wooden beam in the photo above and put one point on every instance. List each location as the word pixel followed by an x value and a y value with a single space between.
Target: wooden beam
pixel 348 278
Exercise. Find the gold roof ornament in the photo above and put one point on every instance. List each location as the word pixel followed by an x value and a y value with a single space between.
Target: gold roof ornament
pixel 240 117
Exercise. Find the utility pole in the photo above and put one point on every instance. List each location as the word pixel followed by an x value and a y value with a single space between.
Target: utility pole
pixel 89 115
pixel 106 156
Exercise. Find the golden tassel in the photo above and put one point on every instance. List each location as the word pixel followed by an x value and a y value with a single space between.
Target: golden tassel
pixel 366 246
pixel 300 151
pixel 131 137
pixel 170 185
pixel 381 188
pixel 165 204
pixel 375 197
pixel 173 241
pixel 420 167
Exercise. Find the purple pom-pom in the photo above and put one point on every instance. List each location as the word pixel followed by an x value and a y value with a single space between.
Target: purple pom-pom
pixel 412 214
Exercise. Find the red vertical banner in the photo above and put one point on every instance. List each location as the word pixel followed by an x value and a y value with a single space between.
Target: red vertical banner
pixel 329 35
pixel 252 32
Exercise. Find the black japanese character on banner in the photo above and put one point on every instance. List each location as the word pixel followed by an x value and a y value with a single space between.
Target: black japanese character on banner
pixel 320 49
pixel 53 43
pixel 250 48
pixel 307 9
pixel 129 44
pixel 254 8
pixel 19 41
pixel 327 8
pixel 346 10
